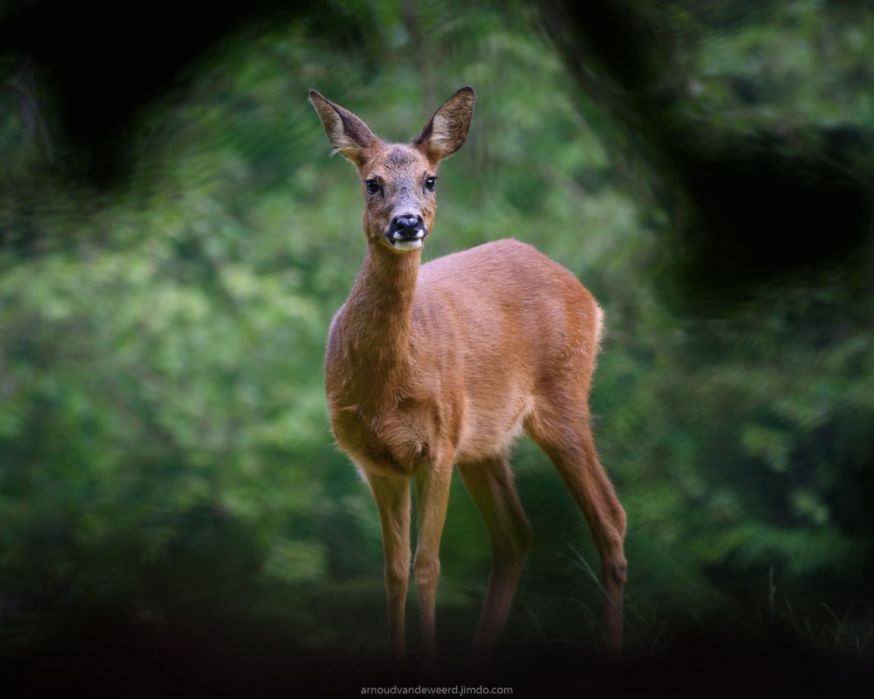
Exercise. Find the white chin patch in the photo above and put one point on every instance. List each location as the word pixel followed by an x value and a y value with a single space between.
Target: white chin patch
pixel 407 244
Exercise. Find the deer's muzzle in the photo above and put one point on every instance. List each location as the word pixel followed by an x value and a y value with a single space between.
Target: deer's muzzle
pixel 407 232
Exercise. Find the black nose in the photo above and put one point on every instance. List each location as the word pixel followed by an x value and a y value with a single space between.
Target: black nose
pixel 406 225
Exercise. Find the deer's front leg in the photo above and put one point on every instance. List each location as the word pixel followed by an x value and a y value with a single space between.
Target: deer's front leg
pixel 433 499
pixel 392 495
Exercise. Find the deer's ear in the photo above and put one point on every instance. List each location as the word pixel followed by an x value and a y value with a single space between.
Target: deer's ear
pixel 447 130
pixel 347 133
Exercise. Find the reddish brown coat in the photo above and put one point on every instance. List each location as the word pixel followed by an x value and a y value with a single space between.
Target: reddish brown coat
pixel 442 364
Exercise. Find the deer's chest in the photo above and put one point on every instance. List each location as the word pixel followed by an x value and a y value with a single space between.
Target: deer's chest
pixel 399 439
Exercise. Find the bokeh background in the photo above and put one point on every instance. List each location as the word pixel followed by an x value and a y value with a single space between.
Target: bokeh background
pixel 174 239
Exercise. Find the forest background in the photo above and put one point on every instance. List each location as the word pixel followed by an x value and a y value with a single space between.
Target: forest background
pixel 168 271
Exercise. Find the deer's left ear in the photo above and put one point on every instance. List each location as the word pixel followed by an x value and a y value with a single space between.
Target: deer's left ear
pixel 349 135
pixel 447 130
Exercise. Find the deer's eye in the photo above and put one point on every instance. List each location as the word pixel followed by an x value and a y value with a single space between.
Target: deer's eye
pixel 373 186
pixel 430 183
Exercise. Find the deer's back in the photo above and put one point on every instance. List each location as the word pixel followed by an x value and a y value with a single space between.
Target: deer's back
pixel 503 325
pixel 506 296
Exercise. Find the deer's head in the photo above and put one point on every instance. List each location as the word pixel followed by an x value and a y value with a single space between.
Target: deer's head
pixel 398 179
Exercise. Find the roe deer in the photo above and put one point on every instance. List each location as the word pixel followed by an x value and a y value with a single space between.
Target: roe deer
pixel 446 363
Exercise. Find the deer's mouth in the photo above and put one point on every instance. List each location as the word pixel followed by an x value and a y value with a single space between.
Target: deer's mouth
pixel 407 240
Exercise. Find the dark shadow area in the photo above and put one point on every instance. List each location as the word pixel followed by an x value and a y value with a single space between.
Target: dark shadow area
pixel 110 659
pixel 752 202
pixel 92 68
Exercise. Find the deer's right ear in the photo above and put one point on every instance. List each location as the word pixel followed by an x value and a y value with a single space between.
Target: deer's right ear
pixel 447 130
pixel 347 133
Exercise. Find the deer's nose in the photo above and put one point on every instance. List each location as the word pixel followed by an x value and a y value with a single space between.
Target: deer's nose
pixel 406 226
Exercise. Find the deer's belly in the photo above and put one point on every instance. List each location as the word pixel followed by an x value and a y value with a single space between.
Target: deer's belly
pixel 407 438
pixel 487 431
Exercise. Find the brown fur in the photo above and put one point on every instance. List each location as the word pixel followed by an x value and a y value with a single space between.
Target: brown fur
pixel 446 363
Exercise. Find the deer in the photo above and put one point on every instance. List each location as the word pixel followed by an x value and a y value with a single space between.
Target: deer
pixel 437 366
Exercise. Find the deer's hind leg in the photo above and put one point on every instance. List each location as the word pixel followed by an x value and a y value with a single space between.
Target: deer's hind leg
pixel 490 483
pixel 560 426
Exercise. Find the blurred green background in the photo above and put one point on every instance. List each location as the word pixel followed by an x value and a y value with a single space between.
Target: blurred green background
pixel 166 463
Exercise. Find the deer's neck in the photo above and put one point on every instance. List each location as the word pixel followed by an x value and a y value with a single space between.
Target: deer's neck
pixel 373 332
